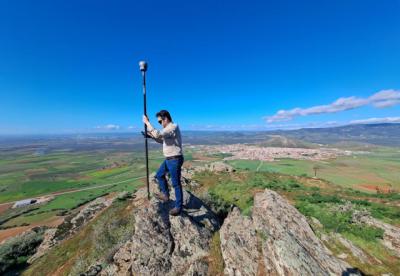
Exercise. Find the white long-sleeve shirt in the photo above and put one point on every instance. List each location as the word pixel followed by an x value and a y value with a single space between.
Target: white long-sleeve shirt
pixel 170 137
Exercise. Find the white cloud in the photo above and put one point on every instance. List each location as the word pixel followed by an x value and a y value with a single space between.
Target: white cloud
pixel 381 99
pixel 377 120
pixel 109 127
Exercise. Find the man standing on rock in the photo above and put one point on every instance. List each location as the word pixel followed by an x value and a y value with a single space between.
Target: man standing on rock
pixel 170 137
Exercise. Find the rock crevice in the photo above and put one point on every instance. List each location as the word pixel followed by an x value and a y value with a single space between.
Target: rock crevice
pixel 288 244
pixel 167 245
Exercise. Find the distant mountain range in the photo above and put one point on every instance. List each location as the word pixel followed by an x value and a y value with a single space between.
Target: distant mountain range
pixel 387 134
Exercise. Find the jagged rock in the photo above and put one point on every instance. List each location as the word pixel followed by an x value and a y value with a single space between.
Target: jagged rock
pixel 93 270
pixel 167 245
pixel 198 268
pixel 109 270
pixel 342 256
pixel 287 244
pixel 122 260
pixel 193 206
pixel 291 246
pixel 47 243
pixel 239 242
pixel 316 223
pixel 89 211
pixel 214 167
pixel 345 207
pixel 220 167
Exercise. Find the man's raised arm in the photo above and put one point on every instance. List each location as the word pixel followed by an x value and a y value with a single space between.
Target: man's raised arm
pixel 149 135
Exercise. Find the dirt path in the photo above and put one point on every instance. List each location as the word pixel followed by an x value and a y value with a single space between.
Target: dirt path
pixel 259 166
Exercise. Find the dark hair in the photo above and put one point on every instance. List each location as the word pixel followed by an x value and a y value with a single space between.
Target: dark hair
pixel 164 114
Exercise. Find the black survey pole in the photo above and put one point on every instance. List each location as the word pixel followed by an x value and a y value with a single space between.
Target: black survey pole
pixel 143 69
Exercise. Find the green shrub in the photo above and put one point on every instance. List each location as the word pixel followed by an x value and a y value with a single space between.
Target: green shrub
pixel 336 222
pixel 379 211
pixel 316 197
pixel 340 222
pixel 368 233
pixel 220 206
pixel 15 251
pixel 361 202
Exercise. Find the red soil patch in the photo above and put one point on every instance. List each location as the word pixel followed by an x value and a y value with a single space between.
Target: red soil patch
pixel 197 156
pixel 83 177
pixel 30 172
pixel 12 232
pixel 5 207
pixel 375 188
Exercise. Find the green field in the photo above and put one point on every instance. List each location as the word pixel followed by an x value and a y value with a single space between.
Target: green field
pixel 26 175
pixel 361 171
pixel 30 176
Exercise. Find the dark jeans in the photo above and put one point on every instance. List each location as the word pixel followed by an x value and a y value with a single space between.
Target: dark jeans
pixel 173 167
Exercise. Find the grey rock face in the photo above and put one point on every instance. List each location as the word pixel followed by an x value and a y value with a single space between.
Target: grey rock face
pixel 167 245
pixel 284 243
pixel 47 243
pixel 239 245
pixel 220 167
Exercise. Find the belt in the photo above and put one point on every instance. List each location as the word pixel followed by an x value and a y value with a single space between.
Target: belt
pixel 173 157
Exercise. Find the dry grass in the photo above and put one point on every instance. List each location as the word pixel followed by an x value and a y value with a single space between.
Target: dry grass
pixel 215 259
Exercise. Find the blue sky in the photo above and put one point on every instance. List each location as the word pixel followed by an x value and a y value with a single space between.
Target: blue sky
pixel 71 66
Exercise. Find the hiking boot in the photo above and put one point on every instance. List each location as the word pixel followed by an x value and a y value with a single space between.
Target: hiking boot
pixel 161 197
pixel 175 211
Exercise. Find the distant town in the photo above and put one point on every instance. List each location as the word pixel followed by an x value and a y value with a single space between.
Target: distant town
pixel 251 152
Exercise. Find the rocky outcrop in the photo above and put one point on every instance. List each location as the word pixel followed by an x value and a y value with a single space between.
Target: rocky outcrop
pixel 220 167
pixel 332 239
pixel 70 226
pixel 276 240
pixel 217 167
pixel 239 245
pixel 354 250
pixel 47 243
pixel 167 245
pixel 391 235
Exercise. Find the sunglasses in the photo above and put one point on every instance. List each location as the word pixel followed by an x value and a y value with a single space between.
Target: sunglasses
pixel 160 122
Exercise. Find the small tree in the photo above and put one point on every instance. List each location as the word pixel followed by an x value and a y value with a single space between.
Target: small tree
pixel 316 168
